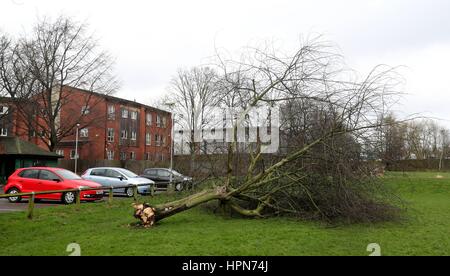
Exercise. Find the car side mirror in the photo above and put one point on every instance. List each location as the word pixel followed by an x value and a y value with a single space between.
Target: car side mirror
pixel 121 178
pixel 57 180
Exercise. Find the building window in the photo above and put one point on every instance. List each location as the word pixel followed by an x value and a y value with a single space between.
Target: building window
pixel 132 155
pixel 123 156
pixel 85 110
pixel 148 119
pixel 133 136
pixel 157 141
pixel 84 133
pixel 111 112
pixel 110 134
pixel 61 152
pixel 3 110
pixel 110 155
pixel 163 140
pixel 164 122
pixel 148 139
pixel 124 134
pixel 148 156
pixel 124 113
pixel 158 121
pixel 72 155
pixel 134 115
pixel 3 132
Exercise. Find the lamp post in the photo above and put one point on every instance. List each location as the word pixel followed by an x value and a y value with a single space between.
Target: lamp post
pixel 76 148
pixel 170 106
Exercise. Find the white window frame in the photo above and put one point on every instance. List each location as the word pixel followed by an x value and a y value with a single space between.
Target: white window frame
pixel 122 134
pixel 125 113
pixel 73 154
pixel 134 115
pixel 85 110
pixel 157 140
pixel 84 133
pixel 132 155
pixel 4 132
pixel 148 119
pixel 158 120
pixel 111 112
pixel 148 139
pixel 110 138
pixel 133 136
pixel 60 152
pixel 110 154
pixel 123 156
pixel 4 109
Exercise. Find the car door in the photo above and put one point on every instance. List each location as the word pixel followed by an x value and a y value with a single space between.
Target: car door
pixel 151 174
pixel 163 176
pixel 48 181
pixel 28 180
pixel 98 176
pixel 114 179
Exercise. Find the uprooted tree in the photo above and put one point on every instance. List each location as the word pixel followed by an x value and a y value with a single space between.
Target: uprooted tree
pixel 327 120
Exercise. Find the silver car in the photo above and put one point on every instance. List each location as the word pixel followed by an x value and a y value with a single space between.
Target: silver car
pixel 112 177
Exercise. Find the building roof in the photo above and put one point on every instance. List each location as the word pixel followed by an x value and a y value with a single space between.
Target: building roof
pixel 16 146
pixel 117 99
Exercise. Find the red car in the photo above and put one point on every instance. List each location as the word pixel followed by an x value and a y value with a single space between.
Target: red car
pixel 50 179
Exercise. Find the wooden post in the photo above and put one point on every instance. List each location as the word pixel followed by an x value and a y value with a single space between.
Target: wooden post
pixel 152 190
pixel 110 196
pixel 78 198
pixel 31 206
pixel 135 192
pixel 170 188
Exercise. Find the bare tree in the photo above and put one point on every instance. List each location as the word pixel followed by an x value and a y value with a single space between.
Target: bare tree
pixel 347 111
pixel 56 56
pixel 192 92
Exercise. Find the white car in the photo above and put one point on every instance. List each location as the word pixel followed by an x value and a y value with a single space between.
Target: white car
pixel 112 177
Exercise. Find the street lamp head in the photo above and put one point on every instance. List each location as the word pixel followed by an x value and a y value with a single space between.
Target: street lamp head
pixel 78 125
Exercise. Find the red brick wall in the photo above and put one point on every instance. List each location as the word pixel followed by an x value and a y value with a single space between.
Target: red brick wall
pixel 94 147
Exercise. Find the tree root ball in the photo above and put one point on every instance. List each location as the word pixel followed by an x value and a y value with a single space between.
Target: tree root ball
pixel 145 213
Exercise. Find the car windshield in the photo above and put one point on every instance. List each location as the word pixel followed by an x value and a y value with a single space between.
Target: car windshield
pixel 68 175
pixel 176 173
pixel 128 173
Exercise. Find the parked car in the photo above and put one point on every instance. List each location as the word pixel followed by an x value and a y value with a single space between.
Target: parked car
pixel 161 176
pixel 111 177
pixel 41 179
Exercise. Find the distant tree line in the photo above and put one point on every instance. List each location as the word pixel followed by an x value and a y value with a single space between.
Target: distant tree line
pixel 412 139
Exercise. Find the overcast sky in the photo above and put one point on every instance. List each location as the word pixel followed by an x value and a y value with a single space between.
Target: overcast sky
pixel 151 39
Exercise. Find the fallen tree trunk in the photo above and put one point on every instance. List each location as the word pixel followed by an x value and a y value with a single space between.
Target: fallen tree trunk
pixel 169 209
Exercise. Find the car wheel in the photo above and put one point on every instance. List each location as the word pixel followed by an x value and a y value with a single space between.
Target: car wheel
pixel 129 192
pixel 179 186
pixel 68 198
pixel 15 199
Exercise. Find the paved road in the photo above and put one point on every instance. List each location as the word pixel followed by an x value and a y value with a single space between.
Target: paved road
pixel 6 206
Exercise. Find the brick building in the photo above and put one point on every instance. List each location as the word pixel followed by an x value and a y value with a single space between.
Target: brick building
pixel 110 128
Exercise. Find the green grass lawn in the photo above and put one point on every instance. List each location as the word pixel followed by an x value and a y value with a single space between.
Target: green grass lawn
pixel 103 230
